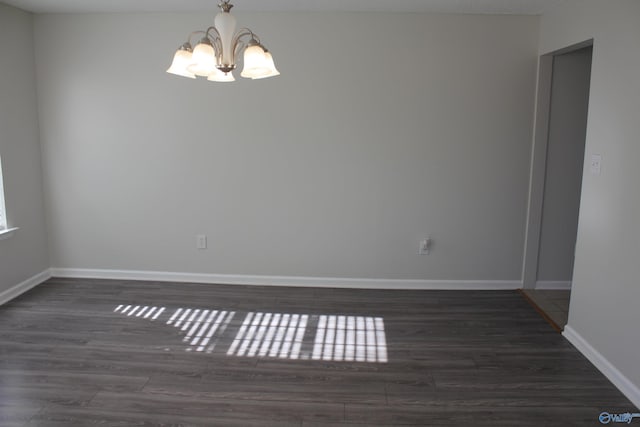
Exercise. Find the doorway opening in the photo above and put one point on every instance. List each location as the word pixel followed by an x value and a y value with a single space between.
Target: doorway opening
pixel 556 179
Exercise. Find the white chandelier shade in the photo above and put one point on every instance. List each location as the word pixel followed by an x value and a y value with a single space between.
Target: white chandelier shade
pixel 181 60
pixel 219 76
pixel 203 60
pixel 270 66
pixel 214 56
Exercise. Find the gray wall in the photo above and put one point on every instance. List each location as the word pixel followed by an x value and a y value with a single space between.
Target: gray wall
pixel 380 131
pixel 604 300
pixel 25 254
pixel 565 159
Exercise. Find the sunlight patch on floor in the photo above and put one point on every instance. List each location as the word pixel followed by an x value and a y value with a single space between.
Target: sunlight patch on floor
pixel 270 335
pixel 341 338
pixel 350 338
pixel 200 327
pixel 145 312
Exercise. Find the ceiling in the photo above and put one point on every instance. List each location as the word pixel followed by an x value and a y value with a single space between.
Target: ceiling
pixel 517 7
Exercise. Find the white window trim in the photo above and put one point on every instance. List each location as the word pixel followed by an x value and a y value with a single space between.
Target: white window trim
pixel 5 231
pixel 8 232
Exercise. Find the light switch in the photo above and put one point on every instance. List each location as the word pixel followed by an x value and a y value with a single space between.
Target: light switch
pixel 201 241
pixel 596 164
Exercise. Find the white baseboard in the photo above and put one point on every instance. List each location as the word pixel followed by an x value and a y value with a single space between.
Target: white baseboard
pixel 318 282
pixel 553 285
pixel 20 288
pixel 629 389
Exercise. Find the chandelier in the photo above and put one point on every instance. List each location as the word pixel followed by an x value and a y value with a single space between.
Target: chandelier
pixel 214 56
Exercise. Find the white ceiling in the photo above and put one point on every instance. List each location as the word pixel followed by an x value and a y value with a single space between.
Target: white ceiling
pixel 526 7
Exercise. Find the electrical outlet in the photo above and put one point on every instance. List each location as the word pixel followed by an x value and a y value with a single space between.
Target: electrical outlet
pixel 425 246
pixel 201 241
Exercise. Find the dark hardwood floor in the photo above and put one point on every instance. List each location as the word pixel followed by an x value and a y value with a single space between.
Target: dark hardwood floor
pixel 79 353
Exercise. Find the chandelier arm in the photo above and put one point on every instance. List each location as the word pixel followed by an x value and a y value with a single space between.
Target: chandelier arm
pixel 212 29
pixel 239 44
pixel 244 32
pixel 238 48
pixel 216 41
pixel 190 38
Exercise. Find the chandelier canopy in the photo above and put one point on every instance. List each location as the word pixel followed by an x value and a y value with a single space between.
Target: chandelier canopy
pixel 214 56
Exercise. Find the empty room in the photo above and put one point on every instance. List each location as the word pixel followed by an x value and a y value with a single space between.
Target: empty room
pixel 319 213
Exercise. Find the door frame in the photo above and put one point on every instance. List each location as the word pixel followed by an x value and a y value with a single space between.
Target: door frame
pixel 538 167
